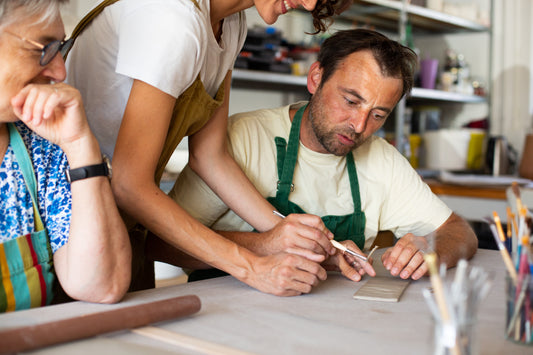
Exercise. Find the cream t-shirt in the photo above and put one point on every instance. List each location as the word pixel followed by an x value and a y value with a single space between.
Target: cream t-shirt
pixel 393 196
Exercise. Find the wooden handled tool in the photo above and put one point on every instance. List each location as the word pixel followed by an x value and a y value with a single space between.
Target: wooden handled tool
pixel 85 326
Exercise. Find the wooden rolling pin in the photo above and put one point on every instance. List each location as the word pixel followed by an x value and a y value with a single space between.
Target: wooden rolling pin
pixel 85 326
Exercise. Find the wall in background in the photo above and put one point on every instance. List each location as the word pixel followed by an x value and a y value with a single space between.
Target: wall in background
pixel 511 81
pixel 512 76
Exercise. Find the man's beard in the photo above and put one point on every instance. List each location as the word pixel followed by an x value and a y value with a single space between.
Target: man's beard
pixel 328 138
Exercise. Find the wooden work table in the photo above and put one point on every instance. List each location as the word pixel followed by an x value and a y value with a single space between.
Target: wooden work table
pixel 472 202
pixel 326 321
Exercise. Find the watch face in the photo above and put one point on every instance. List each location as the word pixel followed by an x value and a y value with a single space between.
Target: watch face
pixel 108 165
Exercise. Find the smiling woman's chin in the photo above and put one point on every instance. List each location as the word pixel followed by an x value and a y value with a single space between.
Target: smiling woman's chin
pixel 271 19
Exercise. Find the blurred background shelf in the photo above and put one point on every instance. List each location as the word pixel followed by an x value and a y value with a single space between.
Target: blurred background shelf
pixel 262 80
pixel 385 14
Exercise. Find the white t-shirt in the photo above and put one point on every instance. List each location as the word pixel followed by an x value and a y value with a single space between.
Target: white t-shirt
pixel 393 196
pixel 165 43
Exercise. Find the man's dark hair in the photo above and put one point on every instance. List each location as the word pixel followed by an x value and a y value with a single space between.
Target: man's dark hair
pixel 394 59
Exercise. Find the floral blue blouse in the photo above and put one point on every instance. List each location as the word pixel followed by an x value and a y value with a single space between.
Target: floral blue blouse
pixel 16 211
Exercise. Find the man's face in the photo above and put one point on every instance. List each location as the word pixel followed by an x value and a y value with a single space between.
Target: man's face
pixel 350 106
pixel 19 60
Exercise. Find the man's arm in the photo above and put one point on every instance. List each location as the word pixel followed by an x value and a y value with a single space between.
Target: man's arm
pixel 454 240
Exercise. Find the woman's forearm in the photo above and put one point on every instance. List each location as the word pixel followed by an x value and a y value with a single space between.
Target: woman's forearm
pixel 95 263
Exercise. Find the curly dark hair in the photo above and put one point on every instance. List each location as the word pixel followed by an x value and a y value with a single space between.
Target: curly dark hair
pixel 323 12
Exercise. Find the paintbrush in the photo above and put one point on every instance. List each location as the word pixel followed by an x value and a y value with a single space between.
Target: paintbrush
pixel 436 282
pixel 516 192
pixel 499 239
pixel 519 205
pixel 335 244
pixel 510 223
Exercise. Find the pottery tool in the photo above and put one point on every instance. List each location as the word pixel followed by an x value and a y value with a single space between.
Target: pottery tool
pixel 335 244
pixel 372 251
pixel 349 251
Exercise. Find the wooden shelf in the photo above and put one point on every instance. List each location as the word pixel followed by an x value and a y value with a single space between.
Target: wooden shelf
pixel 256 79
pixel 262 80
pixel 385 14
pixel 439 95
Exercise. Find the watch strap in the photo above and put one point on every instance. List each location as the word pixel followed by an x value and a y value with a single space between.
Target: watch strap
pixel 86 172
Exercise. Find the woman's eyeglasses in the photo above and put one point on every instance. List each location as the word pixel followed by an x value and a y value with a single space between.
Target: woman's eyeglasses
pixel 49 51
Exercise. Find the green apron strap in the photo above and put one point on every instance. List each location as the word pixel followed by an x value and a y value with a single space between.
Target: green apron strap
pixel 281 148
pixel 27 171
pixel 354 182
pixel 285 185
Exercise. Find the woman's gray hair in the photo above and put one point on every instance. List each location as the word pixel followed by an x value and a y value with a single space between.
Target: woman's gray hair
pixel 15 10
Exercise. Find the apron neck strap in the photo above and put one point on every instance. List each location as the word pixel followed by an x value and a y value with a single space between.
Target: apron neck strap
pixel 287 155
pixel 86 21
pixel 287 159
pixel 23 158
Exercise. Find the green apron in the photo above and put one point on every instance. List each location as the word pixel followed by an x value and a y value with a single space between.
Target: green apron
pixel 350 226
pixel 26 263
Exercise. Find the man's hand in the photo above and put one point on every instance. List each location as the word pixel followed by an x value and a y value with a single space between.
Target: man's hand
pixel 406 257
pixel 351 267
pixel 300 234
pixel 285 274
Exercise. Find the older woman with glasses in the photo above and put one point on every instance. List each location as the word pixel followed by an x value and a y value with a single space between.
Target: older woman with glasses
pixel 58 218
pixel 152 72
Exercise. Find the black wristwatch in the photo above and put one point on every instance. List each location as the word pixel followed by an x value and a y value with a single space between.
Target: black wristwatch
pixel 85 172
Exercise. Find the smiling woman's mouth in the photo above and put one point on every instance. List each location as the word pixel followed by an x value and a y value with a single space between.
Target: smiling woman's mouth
pixel 286 6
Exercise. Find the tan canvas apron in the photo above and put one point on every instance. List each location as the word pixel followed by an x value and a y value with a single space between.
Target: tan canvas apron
pixel 193 108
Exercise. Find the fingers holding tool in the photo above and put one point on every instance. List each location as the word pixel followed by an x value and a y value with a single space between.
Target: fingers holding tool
pixel 354 267
pixel 302 234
